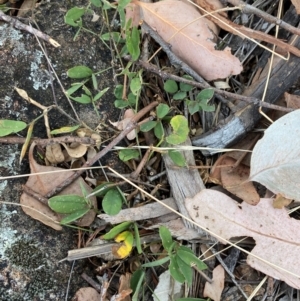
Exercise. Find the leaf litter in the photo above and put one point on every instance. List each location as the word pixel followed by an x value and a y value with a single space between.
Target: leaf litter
pixel 191 37
pixel 42 184
pixel 275 233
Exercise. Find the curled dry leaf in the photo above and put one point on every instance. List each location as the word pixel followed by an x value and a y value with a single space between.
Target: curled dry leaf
pixel 121 125
pixel 42 184
pixel 276 234
pixel 87 294
pixel 76 150
pixel 275 160
pixel 54 153
pixel 214 290
pixel 191 37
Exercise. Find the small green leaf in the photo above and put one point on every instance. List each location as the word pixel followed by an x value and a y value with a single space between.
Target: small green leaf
pixel 180 95
pixel 96 3
pixel 74 88
pixel 156 262
pixel 123 3
pixel 121 104
pixel 100 94
pixel 133 43
pixel 73 16
pixel 136 283
pixel 159 130
pixel 132 99
pixel 94 80
pixel 128 154
pixel 84 99
pixel 79 72
pixel 205 106
pixel 137 238
pixel 87 90
pixel 102 189
pixel 118 92
pixel 175 271
pixel 170 86
pixel 65 204
pixel 185 269
pixel 180 130
pixel 147 126
pixel 190 259
pixel 116 230
pixel 177 157
pixel 193 106
pixel 112 202
pixel 64 130
pixel 135 85
pixel 205 94
pixel 186 87
pixel 166 238
pixel 11 126
pixel 162 110
pixel 74 216
pixel 114 35
pixel 107 5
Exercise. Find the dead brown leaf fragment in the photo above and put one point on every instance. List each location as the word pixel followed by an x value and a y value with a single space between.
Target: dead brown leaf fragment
pixel 191 37
pixel 86 294
pixel 42 184
pixel 277 237
pixel 235 179
pixel 296 3
pixel 214 290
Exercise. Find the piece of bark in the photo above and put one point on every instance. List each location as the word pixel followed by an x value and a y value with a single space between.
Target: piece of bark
pixel 184 182
pixel 140 213
pixel 233 128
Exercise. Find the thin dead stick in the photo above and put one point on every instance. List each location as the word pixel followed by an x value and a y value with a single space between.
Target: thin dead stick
pixel 249 9
pixel 19 25
pixel 143 162
pixel 165 75
pixel 43 142
pixel 131 126
pixel 242 31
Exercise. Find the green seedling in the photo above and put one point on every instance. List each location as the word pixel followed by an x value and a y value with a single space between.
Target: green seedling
pixel 8 127
pixel 113 197
pixel 201 101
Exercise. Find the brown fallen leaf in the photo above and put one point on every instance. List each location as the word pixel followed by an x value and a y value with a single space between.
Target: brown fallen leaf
pixel 276 234
pixel 191 37
pixel 86 294
pixel 42 184
pixel 296 3
pixel 214 290
pixel 292 101
pixel 121 125
pixel 235 181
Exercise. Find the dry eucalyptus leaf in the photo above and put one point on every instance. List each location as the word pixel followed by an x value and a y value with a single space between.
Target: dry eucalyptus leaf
pixel 275 160
pixel 292 100
pixel 54 153
pixel 276 234
pixel 77 151
pixel 296 3
pixel 214 290
pixel 235 181
pixel 191 38
pixel 42 184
